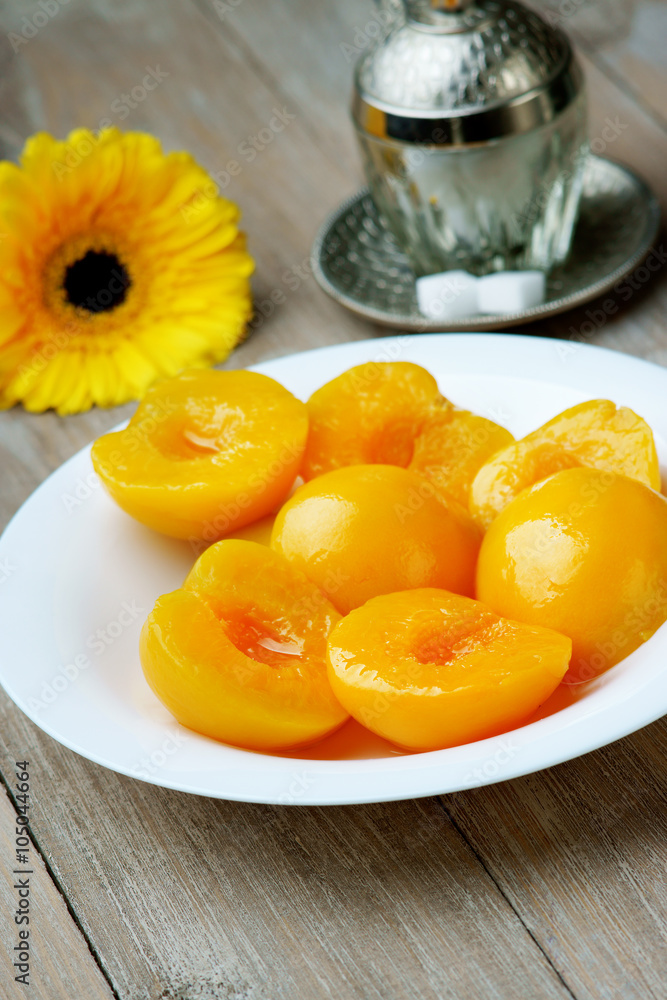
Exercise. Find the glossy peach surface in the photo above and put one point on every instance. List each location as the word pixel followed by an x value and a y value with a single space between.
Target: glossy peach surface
pixel 453 446
pixel 372 529
pixel 428 669
pixel 258 531
pixel 370 414
pixel 596 433
pixel 206 453
pixel 583 552
pixel 238 653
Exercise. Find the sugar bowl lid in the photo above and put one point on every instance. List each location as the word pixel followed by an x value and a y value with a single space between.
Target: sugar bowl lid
pixel 458 72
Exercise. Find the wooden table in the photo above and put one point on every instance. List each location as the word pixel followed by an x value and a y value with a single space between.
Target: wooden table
pixel 549 886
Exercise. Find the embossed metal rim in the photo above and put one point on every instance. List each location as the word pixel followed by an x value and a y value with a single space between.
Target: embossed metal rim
pixel 518 115
pixel 413 323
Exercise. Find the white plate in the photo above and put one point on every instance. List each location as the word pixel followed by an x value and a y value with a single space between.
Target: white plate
pixel 78 576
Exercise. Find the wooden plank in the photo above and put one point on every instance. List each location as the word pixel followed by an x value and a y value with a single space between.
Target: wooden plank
pixel 580 850
pixel 60 964
pixel 309 59
pixel 627 42
pixel 191 897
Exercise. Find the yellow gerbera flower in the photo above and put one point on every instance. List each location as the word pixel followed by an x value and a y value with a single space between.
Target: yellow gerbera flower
pixel 118 264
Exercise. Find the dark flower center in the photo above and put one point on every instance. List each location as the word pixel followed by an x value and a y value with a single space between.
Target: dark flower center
pixel 98 282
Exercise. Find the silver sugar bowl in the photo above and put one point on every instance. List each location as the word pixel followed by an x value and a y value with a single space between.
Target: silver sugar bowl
pixel 471 117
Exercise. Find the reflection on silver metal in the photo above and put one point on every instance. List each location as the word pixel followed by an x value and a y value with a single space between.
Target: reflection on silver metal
pixel 357 261
pixel 519 114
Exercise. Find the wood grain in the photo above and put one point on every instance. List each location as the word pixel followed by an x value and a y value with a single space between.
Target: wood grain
pixel 61 964
pixel 580 850
pixel 626 39
pixel 187 897
pixel 549 886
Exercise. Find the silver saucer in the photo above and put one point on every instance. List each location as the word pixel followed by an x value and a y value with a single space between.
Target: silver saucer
pixel 357 262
